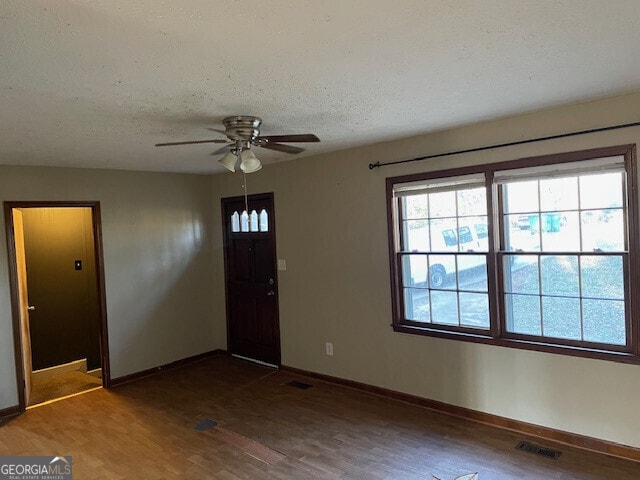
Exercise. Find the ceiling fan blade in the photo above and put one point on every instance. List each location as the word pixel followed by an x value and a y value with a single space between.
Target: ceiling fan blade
pixel 306 137
pixel 281 148
pixel 220 150
pixel 224 132
pixel 191 142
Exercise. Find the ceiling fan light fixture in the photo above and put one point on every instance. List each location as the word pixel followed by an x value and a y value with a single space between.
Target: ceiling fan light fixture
pixel 243 132
pixel 249 163
pixel 229 161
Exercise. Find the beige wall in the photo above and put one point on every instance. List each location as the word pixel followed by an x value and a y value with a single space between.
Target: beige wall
pixel 157 263
pixel 165 275
pixel 332 231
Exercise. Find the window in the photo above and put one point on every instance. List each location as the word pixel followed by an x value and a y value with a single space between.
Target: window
pixel 444 265
pixel 534 253
pixel 563 268
pixel 253 222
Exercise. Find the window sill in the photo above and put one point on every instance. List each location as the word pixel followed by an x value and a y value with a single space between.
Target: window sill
pixel 574 351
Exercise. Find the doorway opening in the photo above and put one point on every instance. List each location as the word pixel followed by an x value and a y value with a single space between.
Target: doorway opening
pixel 58 301
pixel 253 328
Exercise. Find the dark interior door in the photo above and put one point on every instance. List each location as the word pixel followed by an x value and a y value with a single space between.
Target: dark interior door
pixel 251 278
pixel 62 286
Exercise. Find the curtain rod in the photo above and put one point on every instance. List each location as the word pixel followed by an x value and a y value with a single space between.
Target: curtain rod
pixel 509 144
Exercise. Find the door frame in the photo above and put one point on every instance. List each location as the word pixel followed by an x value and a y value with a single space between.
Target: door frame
pixel 96 220
pixel 226 231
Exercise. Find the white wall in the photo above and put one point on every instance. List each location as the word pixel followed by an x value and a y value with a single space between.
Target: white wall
pixel 157 255
pixel 332 231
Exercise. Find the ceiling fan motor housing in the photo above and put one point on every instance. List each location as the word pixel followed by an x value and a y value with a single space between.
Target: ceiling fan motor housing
pixel 242 127
pixel 244 131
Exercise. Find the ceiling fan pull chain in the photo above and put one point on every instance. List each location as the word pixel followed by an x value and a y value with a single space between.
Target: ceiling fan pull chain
pixel 246 199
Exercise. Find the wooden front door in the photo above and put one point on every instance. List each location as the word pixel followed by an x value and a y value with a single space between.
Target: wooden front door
pixel 251 278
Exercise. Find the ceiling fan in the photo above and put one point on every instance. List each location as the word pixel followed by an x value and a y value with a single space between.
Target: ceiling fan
pixel 243 132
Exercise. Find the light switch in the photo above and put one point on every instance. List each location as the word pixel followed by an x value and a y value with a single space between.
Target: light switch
pixel 282 264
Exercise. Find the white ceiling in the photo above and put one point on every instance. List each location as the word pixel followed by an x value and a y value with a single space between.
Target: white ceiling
pixel 97 84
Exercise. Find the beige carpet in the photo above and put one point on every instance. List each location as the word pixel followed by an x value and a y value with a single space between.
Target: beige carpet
pixel 61 385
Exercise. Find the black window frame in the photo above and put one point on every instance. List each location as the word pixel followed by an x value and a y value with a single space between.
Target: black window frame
pixel 497 334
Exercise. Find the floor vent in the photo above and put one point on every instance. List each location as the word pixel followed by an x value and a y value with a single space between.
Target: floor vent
pixel 205 424
pixel 538 450
pixel 300 385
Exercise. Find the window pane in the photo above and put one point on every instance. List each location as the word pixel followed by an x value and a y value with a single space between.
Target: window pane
pixel 602 276
pixel 481 229
pixel 464 236
pixel 244 222
pixel 416 235
pixel 445 307
pixel 604 321
pixel 473 235
pixel 521 274
pixel 444 235
pixel 450 237
pixel 601 190
pixel 521 197
pixel 523 314
pixel 559 194
pixel 560 232
pixel 416 304
pixel 416 206
pixel 254 221
pixel 264 221
pixel 474 310
pixel 414 270
pixel 603 230
pixel 442 271
pixel 560 275
pixel 472 202
pixel 561 318
pixel 522 233
pixel 442 204
pixel 551 222
pixel 472 272
pixel 235 222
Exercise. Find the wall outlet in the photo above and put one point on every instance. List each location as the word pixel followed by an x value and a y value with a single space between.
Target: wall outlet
pixel 329 348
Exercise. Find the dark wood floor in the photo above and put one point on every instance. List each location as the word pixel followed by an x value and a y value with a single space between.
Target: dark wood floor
pixel 145 430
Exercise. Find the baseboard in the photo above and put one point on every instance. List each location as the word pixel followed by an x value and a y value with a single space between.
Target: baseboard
pixel 546 433
pixel 49 372
pixel 168 366
pixel 8 413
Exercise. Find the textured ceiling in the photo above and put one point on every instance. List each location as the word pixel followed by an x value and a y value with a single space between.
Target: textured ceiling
pixel 97 84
